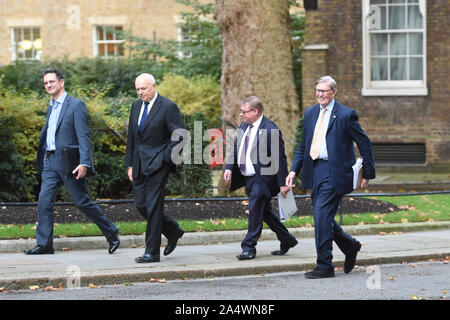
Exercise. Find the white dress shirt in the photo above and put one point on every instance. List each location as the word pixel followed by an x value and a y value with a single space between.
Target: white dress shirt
pixel 323 145
pixel 150 104
pixel 249 169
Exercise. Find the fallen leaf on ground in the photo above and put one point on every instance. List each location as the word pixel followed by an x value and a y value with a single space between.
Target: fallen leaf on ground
pixel 49 288
pixel 34 288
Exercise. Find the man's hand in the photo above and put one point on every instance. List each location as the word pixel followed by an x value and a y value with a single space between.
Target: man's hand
pixel 227 176
pixel 130 174
pixel 364 183
pixel 290 179
pixel 79 172
pixel 284 190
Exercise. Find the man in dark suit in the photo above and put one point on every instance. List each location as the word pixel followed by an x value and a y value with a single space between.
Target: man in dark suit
pixel 153 119
pixel 262 168
pixel 326 155
pixel 66 126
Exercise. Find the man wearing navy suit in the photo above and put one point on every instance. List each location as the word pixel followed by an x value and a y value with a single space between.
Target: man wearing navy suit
pixel 258 162
pixel 153 121
pixel 326 155
pixel 66 126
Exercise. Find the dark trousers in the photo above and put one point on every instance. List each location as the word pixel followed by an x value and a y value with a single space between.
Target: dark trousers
pixel 325 202
pixel 149 201
pixel 260 210
pixel 52 180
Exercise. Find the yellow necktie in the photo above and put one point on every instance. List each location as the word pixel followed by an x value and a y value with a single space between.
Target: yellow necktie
pixel 318 134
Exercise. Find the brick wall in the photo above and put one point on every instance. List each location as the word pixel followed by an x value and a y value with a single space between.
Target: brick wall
pixel 61 37
pixel 421 119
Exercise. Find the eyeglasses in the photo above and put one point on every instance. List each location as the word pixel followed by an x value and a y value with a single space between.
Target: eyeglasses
pixel 244 112
pixel 323 91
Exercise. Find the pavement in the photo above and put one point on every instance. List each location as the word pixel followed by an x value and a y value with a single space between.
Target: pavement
pixel 83 261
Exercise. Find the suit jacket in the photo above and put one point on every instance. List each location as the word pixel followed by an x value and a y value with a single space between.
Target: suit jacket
pixel 343 130
pixel 72 130
pixel 151 149
pixel 268 157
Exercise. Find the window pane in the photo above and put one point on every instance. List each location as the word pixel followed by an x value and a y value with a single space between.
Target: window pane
pixel 396 1
pixel 383 25
pixel 377 1
pixel 379 69
pixel 379 44
pixel 110 50
pixel 416 69
pixel 26 34
pixel 397 17
pixel 17 35
pixel 413 1
pixel 414 18
pixel 101 50
pixel 36 34
pixel 398 69
pixel 99 33
pixel 398 43
pixel 415 43
pixel 109 35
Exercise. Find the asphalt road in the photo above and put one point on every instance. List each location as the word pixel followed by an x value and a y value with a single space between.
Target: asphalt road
pixel 410 281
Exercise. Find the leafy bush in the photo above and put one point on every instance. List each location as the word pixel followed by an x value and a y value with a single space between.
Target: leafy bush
pixel 192 179
pixel 15 185
pixel 28 111
pixel 199 94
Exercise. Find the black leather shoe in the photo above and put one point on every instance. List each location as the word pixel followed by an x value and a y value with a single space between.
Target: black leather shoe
pixel 40 250
pixel 350 259
pixel 246 256
pixel 319 273
pixel 171 245
pixel 114 243
pixel 147 258
pixel 284 249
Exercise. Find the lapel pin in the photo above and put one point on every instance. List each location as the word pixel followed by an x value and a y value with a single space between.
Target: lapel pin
pixel 334 116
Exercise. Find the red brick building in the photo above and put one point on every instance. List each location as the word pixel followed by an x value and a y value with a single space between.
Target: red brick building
pixel 390 59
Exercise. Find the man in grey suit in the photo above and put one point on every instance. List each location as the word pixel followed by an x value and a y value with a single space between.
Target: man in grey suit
pixel 153 120
pixel 66 126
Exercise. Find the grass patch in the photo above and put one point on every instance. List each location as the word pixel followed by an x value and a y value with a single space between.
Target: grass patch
pixel 424 208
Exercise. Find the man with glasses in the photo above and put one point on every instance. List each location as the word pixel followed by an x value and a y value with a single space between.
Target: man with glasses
pixel 66 126
pixel 258 162
pixel 326 156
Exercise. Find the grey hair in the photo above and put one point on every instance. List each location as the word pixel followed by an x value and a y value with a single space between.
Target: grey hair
pixel 253 102
pixel 328 80
pixel 148 77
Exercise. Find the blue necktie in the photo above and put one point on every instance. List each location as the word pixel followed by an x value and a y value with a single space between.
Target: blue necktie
pixel 144 116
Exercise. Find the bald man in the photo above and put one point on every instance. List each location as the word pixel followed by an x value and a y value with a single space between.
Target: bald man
pixel 153 119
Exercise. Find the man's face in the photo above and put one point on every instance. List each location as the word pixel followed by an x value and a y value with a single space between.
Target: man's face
pixel 53 86
pixel 324 94
pixel 145 90
pixel 248 114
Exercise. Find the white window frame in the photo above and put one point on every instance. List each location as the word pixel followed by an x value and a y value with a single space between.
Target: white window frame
pixel 181 37
pixel 36 54
pixel 391 88
pixel 96 42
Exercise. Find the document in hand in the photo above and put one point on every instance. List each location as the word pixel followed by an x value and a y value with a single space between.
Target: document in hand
pixel 286 206
pixel 357 173
pixel 71 159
